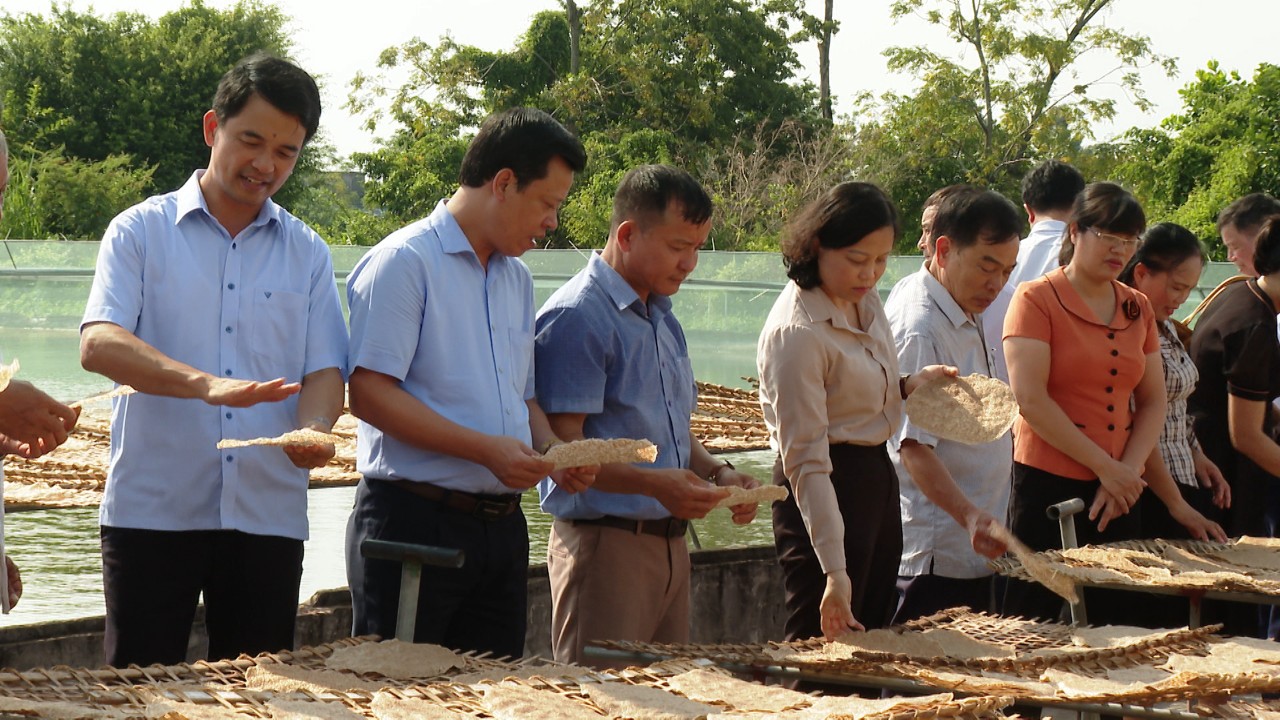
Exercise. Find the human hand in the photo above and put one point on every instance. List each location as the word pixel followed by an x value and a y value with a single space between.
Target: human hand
pixel 685 495
pixel 984 542
pixel 1200 527
pixel 836 606
pixel 575 479
pixel 15 581
pixel 246 393
pixel 1209 476
pixel 515 464
pixel 33 422
pixel 1123 483
pixel 1105 508
pixel 310 457
pixel 742 514
pixel 928 374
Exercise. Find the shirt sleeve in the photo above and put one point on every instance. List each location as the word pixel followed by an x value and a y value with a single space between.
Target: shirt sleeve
pixel 116 295
pixel 572 358
pixel 915 352
pixel 792 373
pixel 387 293
pixel 326 328
pixel 1028 315
pixel 1249 357
pixel 1151 343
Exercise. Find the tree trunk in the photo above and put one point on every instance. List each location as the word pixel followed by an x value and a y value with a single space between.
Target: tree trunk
pixel 824 61
pixel 574 16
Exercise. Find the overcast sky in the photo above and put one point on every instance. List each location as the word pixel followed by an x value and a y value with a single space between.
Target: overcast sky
pixel 334 43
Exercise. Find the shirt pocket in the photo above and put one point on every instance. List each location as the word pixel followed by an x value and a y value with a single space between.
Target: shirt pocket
pixel 520 351
pixel 279 330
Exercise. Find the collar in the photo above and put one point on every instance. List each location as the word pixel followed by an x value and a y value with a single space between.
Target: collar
pixel 1048 226
pixel 944 300
pixel 620 292
pixel 820 308
pixel 1074 304
pixel 191 199
pixel 453 240
pixel 1261 294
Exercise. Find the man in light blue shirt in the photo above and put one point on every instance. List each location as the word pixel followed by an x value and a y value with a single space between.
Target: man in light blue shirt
pixel 952 492
pixel 442 381
pixel 221 310
pixel 1048 193
pixel 613 363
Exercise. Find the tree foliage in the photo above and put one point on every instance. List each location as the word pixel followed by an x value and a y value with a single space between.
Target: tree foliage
pixel 1224 144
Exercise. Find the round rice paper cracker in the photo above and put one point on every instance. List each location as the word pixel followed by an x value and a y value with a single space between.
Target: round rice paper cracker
pixel 972 410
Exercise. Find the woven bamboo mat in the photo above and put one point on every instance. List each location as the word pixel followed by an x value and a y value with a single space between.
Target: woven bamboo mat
pixel 217 689
pixel 1247 564
pixel 1049 663
pixel 729 419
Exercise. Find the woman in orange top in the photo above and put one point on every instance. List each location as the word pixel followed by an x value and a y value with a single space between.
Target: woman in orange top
pixel 1084 363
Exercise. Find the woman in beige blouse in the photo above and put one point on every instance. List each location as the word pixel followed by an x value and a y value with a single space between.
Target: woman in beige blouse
pixel 832 398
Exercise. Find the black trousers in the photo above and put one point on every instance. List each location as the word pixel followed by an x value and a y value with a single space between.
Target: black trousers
pixel 153 579
pixel 480 606
pixel 1035 490
pixel 867 493
pixel 922 595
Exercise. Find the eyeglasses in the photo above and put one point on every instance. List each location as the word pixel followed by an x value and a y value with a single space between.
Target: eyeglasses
pixel 1117 241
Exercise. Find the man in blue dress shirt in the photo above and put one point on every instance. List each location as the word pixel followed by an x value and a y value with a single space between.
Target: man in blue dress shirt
pixel 442 381
pixel 613 363
pixel 221 309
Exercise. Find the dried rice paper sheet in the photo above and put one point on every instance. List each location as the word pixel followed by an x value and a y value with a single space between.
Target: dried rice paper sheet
pixel 160 709
pixel 986 682
pixel 1252 554
pixel 395 659
pixel 302 437
pixel 1117 683
pixel 710 686
pixel 597 451
pixel 641 702
pixel 1232 656
pixel 743 496
pixel 60 710
pixel 520 702
pixel 291 678
pixel 1040 569
pixel 972 410
pixel 524 672
pixel 7 372
pixel 388 707
pixel 120 391
pixel 284 709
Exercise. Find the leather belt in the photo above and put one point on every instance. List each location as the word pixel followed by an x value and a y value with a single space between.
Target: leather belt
pixel 483 507
pixel 665 527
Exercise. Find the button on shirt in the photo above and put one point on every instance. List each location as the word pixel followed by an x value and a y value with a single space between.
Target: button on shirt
pixel 824 380
pixel 1093 367
pixel 260 306
pixel 1037 255
pixel 604 353
pixel 930 328
pixel 458 338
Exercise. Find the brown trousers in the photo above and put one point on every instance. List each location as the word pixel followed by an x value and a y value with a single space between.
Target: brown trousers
pixel 610 584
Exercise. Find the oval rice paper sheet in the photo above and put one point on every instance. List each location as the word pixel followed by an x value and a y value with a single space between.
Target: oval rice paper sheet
pixel 972 410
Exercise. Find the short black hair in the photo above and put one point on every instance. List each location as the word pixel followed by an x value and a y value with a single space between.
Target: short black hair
pixel 1248 212
pixel 286 86
pixel 1103 206
pixel 972 214
pixel 646 191
pixel 523 140
pixel 1266 254
pixel 1163 247
pixel 841 217
pixel 1051 185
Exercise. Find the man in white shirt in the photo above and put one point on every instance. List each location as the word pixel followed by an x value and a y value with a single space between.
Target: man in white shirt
pixel 1048 192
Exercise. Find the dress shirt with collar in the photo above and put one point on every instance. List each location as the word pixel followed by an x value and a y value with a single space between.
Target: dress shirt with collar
pixel 1037 255
pixel 458 338
pixel 930 328
pixel 258 306
pixel 625 365
pixel 823 380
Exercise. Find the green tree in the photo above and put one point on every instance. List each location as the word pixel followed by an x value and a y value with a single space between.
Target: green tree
pixel 1225 143
pixel 1012 93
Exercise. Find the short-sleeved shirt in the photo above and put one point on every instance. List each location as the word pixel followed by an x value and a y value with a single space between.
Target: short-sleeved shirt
pixel 1234 347
pixel 457 337
pixel 258 306
pixel 1177 441
pixel 1037 255
pixel 930 328
pixel 623 363
pixel 823 381
pixel 1093 367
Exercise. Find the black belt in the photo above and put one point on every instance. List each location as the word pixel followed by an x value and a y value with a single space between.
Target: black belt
pixel 484 507
pixel 665 527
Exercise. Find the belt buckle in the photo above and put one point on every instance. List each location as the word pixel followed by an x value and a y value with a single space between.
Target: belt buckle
pixel 491 510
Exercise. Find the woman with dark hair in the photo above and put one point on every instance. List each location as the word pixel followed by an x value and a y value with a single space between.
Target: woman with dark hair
pixel 1186 486
pixel 1081 346
pixel 832 398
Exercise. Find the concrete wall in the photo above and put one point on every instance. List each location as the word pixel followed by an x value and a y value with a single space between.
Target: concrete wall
pixel 737 597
